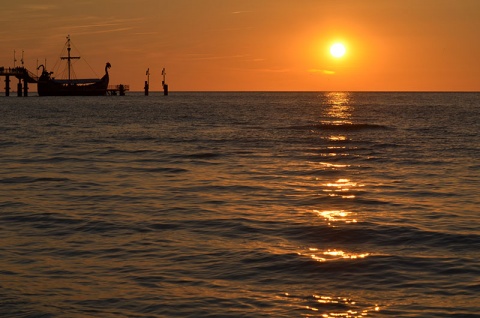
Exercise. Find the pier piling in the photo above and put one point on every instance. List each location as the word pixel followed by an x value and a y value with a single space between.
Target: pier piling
pixel 121 89
pixel 7 85
pixel 25 88
pixel 22 74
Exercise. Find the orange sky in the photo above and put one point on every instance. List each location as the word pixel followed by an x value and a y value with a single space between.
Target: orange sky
pixel 249 45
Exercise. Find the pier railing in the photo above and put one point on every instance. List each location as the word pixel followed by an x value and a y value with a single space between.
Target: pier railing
pixel 117 89
pixel 19 72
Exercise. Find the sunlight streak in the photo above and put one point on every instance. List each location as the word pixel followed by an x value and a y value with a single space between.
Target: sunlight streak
pixel 332 255
pixel 332 216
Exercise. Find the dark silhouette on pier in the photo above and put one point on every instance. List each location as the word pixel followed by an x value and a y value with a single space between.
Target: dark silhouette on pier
pixel 22 74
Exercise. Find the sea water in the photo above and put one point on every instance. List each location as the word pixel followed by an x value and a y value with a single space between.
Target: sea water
pixel 319 204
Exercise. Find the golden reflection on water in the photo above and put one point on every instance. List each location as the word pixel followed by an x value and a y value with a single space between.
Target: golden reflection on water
pixel 332 255
pixel 351 308
pixel 338 138
pixel 339 111
pixel 340 188
pixel 336 216
pixel 333 165
pixel 339 105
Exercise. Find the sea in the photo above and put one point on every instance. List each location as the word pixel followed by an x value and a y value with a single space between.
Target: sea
pixel 240 204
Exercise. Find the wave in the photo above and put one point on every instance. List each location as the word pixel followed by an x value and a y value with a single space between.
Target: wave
pixel 55 159
pixel 25 179
pixel 200 155
pixel 383 236
pixel 339 126
pixel 157 170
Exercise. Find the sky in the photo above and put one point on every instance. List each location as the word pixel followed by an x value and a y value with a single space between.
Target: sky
pixel 254 45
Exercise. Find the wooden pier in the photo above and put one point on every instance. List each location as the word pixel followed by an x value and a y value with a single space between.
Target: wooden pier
pixel 117 89
pixel 22 74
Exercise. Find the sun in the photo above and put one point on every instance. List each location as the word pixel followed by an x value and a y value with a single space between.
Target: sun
pixel 338 50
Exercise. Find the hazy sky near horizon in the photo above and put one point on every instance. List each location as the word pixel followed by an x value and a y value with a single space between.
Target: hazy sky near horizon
pixel 427 45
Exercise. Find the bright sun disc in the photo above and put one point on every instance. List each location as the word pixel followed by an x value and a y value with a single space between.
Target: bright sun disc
pixel 337 50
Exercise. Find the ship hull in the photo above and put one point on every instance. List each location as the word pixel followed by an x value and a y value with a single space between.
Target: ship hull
pixel 50 87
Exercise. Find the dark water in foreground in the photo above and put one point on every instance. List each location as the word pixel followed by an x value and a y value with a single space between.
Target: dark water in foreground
pixel 240 205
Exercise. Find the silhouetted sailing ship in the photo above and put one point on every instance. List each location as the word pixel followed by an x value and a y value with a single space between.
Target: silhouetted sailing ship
pixel 49 86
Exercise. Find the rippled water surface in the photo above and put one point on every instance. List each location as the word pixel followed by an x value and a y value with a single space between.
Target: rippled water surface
pixel 240 205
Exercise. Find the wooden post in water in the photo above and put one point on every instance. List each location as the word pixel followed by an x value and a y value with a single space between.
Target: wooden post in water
pixel 165 86
pixel 7 85
pixel 147 82
pixel 25 87
pixel 19 88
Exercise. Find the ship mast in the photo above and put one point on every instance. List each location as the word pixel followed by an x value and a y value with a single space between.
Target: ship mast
pixel 69 58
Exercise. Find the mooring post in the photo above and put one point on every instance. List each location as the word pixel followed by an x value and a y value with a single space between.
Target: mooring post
pixel 19 88
pixel 164 84
pixel 147 82
pixel 25 87
pixel 7 85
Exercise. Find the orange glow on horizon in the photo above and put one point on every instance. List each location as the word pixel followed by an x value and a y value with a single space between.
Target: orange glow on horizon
pixel 248 46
